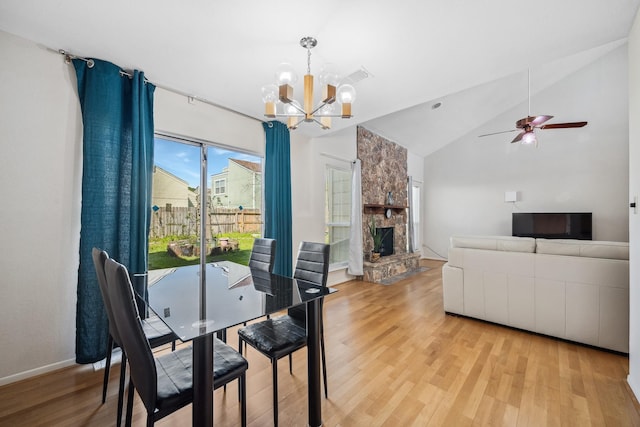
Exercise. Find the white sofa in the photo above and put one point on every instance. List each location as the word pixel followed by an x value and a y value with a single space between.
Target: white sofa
pixel 577 290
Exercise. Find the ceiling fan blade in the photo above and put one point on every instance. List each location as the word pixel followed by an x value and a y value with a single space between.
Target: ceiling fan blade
pixel 540 120
pixel 519 137
pixel 498 133
pixel 564 125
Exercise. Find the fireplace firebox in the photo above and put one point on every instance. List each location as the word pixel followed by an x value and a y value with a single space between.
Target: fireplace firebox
pixel 387 240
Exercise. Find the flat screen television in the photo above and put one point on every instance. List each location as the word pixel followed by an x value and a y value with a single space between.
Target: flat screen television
pixel 552 225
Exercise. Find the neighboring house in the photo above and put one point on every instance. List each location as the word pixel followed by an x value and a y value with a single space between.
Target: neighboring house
pixel 170 191
pixel 239 184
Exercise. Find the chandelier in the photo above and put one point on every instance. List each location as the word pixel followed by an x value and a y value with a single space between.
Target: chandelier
pixel 279 102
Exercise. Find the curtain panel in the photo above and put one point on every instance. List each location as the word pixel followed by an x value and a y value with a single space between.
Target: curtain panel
pixel 356 250
pixel 277 194
pixel 117 118
pixel 411 233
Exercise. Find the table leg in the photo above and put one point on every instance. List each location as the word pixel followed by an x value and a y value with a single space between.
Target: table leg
pixel 313 363
pixel 202 411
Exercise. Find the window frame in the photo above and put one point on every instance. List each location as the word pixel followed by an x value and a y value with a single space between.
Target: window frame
pixel 329 168
pixel 224 186
pixel 205 146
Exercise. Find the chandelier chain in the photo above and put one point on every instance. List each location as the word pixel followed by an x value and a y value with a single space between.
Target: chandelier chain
pixel 308 60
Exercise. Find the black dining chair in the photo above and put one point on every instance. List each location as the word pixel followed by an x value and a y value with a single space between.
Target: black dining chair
pixel 281 336
pixel 155 331
pixel 164 383
pixel 263 254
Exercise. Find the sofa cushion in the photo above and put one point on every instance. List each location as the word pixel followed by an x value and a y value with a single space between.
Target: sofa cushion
pixel 495 243
pixel 583 248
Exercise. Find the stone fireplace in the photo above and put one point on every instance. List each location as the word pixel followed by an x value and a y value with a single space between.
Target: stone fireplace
pixel 384 171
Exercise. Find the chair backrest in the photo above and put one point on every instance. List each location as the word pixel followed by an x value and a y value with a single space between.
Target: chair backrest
pixel 313 263
pixel 99 258
pixel 132 337
pixel 312 266
pixel 263 254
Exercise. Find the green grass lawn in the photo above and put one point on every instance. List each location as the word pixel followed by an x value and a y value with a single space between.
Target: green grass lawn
pixel 160 258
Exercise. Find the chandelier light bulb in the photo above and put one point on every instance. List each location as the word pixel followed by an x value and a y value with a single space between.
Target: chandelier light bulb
pixel 292 108
pixel 327 110
pixel 346 94
pixel 329 75
pixel 286 75
pixel 269 93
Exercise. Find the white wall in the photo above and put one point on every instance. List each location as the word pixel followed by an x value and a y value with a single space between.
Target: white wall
pixel 177 115
pixel 40 181
pixel 308 185
pixel 584 169
pixel 634 219
pixel 415 167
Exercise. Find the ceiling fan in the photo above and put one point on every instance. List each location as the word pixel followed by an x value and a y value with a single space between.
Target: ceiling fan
pixel 527 124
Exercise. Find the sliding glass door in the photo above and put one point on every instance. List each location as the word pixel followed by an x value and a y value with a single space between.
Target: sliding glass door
pixel 206 203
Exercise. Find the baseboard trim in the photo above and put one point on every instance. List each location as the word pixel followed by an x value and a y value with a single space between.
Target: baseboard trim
pixel 37 371
pixel 634 388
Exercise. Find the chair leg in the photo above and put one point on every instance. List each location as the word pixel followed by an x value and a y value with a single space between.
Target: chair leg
pixel 131 391
pixel 123 373
pixel 107 369
pixel 274 364
pixel 242 387
pixel 173 345
pixel 290 364
pixel 324 366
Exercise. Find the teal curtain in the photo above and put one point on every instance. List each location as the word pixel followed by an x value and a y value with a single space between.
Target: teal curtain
pixel 277 194
pixel 117 118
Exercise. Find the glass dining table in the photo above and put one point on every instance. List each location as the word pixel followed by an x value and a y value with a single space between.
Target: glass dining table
pixel 231 294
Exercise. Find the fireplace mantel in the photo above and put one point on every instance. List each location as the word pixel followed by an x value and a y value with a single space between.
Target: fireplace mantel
pixel 373 208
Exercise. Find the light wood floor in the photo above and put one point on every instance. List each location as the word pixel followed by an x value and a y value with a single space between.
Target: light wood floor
pixel 394 359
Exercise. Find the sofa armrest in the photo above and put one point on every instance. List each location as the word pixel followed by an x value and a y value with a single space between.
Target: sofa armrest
pixel 452 289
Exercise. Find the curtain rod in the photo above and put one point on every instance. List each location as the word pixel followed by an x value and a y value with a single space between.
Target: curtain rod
pixel 90 63
pixel 336 158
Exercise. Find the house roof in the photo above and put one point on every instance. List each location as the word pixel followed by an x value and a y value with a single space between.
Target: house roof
pixel 158 169
pixel 252 166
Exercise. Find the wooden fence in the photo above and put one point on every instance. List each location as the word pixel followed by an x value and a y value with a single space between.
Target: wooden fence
pixel 186 221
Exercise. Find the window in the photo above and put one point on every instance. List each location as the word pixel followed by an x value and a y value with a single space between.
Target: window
pixel 219 186
pixel 338 213
pixel 231 193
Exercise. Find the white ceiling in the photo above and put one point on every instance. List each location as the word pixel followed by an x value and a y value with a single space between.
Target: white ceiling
pixel 471 56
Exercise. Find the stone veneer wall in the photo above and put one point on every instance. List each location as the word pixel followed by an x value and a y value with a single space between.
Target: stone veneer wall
pixel 384 169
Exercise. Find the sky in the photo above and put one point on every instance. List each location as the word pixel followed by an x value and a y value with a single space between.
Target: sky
pixel 183 160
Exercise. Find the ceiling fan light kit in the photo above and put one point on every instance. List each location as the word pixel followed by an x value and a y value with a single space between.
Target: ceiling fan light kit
pixel 295 112
pixel 529 138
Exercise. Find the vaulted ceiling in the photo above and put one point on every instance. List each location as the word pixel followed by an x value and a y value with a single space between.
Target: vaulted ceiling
pixel 472 57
